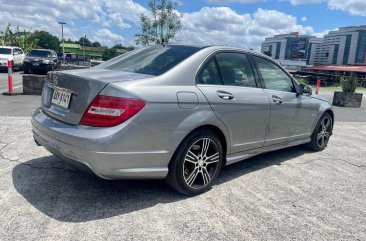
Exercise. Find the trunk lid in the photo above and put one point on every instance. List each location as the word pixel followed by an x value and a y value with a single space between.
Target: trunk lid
pixel 84 85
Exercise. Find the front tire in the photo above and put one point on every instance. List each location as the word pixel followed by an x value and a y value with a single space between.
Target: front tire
pixel 322 133
pixel 196 163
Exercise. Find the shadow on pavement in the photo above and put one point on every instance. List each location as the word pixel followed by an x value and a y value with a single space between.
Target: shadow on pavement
pixel 64 194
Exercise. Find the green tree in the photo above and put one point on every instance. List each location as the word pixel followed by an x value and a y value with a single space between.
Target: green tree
pixel 6 36
pixel 84 41
pixel 46 40
pixel 96 45
pixel 109 54
pixel 25 41
pixel 164 25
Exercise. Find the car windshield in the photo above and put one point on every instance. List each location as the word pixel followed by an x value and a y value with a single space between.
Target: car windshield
pixel 5 51
pixel 154 60
pixel 40 53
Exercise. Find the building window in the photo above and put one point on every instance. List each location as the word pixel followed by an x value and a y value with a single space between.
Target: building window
pixel 361 47
pixel 346 49
pixel 278 49
pixel 335 54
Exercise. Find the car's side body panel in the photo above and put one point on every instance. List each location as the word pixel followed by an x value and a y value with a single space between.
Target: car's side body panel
pixel 246 115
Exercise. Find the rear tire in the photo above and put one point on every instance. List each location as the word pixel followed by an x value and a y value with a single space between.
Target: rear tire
pixel 196 163
pixel 322 133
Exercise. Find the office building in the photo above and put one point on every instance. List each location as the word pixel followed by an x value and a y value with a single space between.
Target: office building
pixel 292 50
pixel 347 46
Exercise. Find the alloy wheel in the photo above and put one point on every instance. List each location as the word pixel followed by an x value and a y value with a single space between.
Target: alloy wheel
pixel 324 132
pixel 201 163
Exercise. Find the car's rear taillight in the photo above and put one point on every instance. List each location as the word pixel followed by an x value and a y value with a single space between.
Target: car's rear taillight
pixel 107 111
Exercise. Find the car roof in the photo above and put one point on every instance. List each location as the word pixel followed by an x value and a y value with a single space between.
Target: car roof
pixel 223 48
pixel 7 47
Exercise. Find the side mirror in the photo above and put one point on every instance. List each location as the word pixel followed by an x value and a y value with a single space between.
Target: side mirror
pixel 306 89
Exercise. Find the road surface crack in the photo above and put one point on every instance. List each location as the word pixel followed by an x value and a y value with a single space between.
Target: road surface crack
pixel 25 163
pixel 343 160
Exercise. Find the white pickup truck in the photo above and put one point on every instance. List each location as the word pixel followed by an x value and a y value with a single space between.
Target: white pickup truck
pixel 16 54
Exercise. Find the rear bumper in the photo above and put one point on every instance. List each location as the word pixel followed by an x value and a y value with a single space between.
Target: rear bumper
pixel 137 156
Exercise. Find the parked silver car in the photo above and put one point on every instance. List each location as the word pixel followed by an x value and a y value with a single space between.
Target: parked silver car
pixel 177 112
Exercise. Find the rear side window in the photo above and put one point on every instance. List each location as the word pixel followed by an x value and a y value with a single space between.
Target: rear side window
pixel 209 74
pixel 235 69
pixel 154 60
pixel 274 77
pixel 231 69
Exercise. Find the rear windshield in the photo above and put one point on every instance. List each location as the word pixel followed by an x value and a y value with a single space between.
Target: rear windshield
pixel 40 53
pixel 154 60
pixel 5 51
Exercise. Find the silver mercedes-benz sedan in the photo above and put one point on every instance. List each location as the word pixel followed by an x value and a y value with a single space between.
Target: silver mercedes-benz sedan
pixel 177 112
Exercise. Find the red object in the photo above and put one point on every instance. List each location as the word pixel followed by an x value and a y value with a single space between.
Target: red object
pixel 10 76
pixel 342 68
pixel 108 111
pixel 317 87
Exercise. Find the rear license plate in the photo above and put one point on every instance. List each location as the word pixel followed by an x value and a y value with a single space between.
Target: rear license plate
pixel 61 98
pixel 35 64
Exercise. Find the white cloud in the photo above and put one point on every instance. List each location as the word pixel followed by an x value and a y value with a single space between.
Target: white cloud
pixel 304 19
pixel 299 2
pixel 223 25
pixel 233 1
pixel 82 17
pixel 354 7
pixel 106 37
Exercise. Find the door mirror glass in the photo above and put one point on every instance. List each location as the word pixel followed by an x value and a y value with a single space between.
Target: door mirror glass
pixel 306 89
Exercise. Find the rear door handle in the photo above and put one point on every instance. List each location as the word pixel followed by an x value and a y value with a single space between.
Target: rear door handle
pixel 225 95
pixel 277 99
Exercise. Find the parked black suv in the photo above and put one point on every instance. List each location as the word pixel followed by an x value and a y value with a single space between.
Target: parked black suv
pixel 40 60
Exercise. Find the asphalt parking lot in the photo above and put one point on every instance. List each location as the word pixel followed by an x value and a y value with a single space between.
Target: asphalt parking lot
pixel 291 194
pixel 17 81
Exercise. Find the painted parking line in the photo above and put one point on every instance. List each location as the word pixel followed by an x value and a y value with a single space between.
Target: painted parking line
pixel 14 87
pixel 16 82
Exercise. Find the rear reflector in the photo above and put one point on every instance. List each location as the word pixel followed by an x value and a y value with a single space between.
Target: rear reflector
pixel 107 111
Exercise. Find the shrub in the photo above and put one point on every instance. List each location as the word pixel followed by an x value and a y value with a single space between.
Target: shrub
pixel 349 83
pixel 302 80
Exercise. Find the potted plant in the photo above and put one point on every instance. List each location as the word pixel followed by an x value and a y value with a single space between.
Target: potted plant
pixel 347 97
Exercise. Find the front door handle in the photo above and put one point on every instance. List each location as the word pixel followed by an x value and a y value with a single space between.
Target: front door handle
pixel 225 95
pixel 277 99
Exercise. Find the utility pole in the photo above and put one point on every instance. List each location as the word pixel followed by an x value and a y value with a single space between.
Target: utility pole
pixel 84 48
pixel 63 40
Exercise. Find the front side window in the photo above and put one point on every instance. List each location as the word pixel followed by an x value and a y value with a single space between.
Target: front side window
pixel 154 60
pixel 209 74
pixel 274 77
pixel 235 69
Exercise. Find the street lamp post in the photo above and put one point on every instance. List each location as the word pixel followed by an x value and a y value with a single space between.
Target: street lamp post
pixel 63 40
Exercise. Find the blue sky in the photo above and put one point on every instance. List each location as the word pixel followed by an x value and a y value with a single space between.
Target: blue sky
pixel 243 23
